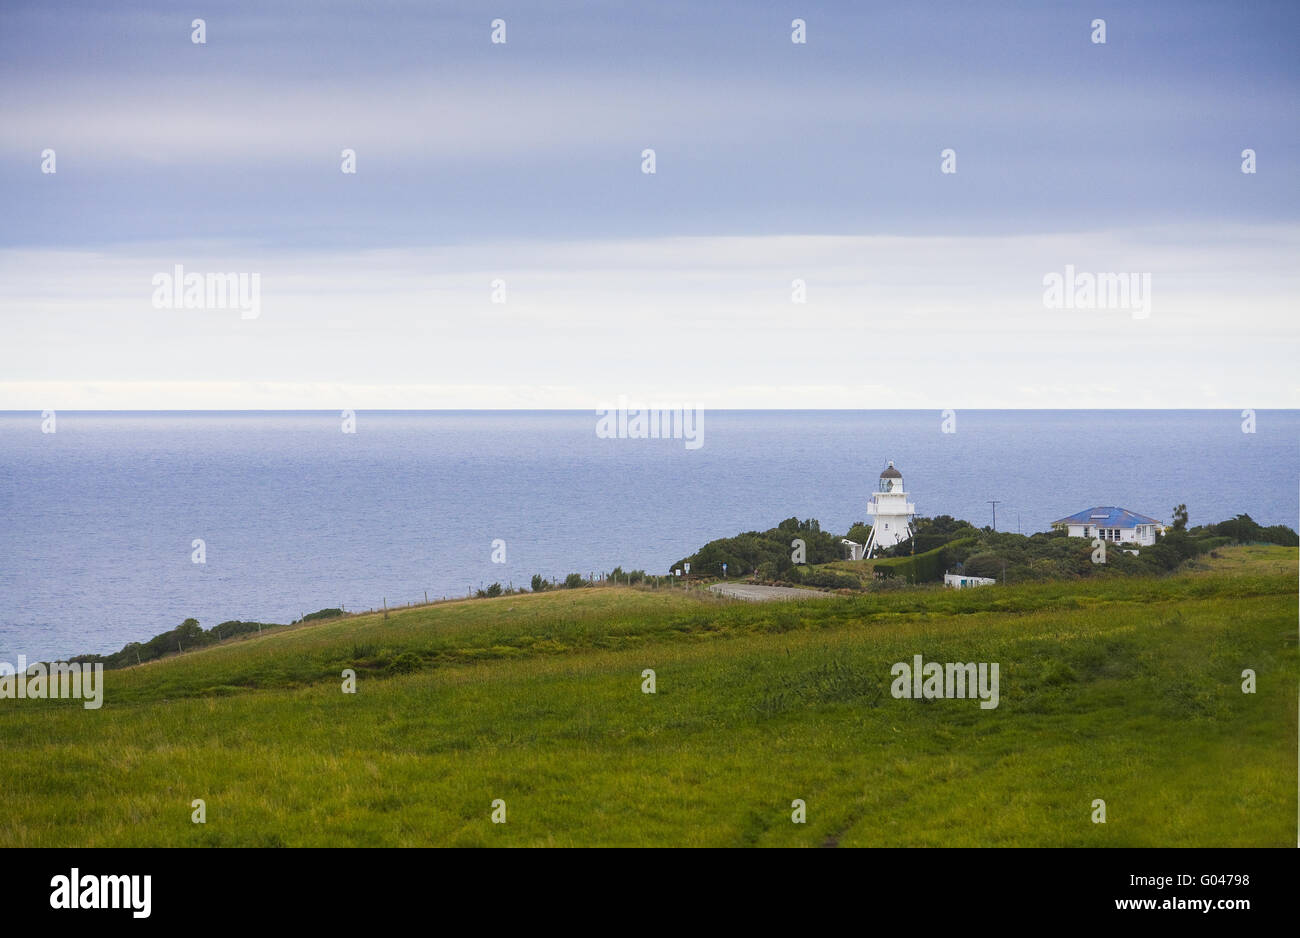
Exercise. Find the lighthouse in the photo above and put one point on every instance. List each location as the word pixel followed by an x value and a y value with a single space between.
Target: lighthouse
pixel 889 512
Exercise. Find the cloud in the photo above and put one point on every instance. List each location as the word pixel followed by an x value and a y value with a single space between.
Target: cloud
pixel 889 321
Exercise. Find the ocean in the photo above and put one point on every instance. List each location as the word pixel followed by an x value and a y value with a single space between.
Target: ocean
pixel 100 517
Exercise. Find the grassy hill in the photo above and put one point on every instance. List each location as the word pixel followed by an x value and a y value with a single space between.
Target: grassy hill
pixel 1127 690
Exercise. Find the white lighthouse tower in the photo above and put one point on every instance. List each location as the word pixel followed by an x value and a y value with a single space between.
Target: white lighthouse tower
pixel 889 512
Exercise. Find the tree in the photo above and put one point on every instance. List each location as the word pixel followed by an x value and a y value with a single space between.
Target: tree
pixel 188 632
pixel 859 532
pixel 986 564
pixel 539 584
pixel 1180 518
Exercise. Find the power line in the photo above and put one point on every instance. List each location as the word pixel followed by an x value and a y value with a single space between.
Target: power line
pixel 995 504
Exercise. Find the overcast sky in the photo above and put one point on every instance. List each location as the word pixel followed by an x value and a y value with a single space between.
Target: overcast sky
pixel 522 162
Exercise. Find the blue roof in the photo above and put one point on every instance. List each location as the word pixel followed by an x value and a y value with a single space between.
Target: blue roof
pixel 1108 517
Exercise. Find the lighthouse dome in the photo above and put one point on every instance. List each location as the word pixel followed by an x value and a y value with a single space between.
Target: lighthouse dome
pixel 891 472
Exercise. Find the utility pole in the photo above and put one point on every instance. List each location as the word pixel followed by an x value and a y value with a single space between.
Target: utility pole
pixel 995 512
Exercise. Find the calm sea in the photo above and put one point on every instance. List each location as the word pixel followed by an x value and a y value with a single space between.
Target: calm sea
pixel 99 517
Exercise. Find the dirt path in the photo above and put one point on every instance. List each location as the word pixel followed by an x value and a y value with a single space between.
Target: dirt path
pixel 759 594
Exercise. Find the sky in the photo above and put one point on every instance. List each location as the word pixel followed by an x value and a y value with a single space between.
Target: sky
pixel 514 171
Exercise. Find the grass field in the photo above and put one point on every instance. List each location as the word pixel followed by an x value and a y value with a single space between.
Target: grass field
pixel 1126 690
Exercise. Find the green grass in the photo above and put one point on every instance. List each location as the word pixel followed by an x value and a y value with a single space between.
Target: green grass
pixel 1128 690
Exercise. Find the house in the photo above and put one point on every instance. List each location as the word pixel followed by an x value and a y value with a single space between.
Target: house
pixel 1118 525
pixel 961 581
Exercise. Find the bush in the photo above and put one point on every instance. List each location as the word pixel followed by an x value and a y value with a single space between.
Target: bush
pixel 827 579
pixel 323 614
pixel 539 584
pixel 764 550
pixel 1245 530
pixel 405 663
pixel 185 637
pixel 927 567
pixel 929 533
pixel 235 627
pixel 573 581
pixel 984 564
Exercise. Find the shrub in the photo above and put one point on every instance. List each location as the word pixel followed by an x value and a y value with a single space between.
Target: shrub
pixel 984 564
pixel 405 663
pixel 764 550
pixel 927 567
pixel 1245 530
pixel 235 627
pixel 827 579
pixel 929 533
pixel 322 614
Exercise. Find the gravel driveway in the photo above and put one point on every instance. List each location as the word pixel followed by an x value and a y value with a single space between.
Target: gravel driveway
pixel 759 594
